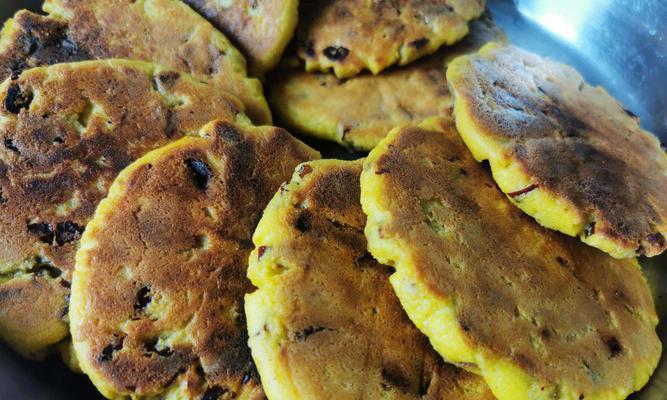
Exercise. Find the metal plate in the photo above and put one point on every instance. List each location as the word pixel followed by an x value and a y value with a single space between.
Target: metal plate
pixel 619 44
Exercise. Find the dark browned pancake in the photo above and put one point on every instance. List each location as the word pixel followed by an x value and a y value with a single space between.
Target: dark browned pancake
pixel 166 32
pixel 157 297
pixel 538 314
pixel 65 133
pixel 566 153
pixel 260 28
pixel 325 322
pixel 348 36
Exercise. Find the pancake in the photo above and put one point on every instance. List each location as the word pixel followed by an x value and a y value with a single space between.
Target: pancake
pixel 360 111
pixel 166 32
pixel 347 36
pixel 157 296
pixel 566 153
pixel 261 28
pixel 325 322
pixel 538 314
pixel 66 131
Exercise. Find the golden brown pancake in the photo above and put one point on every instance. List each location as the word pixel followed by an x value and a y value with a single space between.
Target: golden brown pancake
pixel 166 32
pixel 538 314
pixel 325 322
pixel 66 131
pixel 157 296
pixel 347 36
pixel 568 154
pixel 260 28
pixel 360 111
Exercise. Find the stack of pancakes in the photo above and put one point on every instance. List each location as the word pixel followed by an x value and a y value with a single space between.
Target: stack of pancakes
pixel 172 244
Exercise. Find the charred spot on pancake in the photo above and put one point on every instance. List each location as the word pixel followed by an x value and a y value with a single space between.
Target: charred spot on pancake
pixel 310 49
pixel 614 346
pixel 656 239
pixel 630 113
pixel 336 53
pixel 67 232
pixel 589 229
pixel 9 144
pixel 151 347
pixel 214 393
pixel 43 230
pixel 200 172
pixel 302 222
pixel 309 331
pixel 16 99
pixel 108 352
pixel 392 376
pixel 228 133
pixel 143 298
pixel 419 43
pixel 43 267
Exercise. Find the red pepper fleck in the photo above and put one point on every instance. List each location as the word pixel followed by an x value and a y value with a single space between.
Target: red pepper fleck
pixel 260 251
pixel 304 170
pixel 525 190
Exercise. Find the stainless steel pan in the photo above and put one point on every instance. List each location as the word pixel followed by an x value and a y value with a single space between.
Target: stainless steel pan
pixel 620 44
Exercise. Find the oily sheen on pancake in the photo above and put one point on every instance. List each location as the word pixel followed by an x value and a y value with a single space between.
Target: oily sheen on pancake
pixel 165 32
pixel 566 153
pixel 260 28
pixel 325 322
pixel 157 296
pixel 360 111
pixel 347 36
pixel 66 131
pixel 538 314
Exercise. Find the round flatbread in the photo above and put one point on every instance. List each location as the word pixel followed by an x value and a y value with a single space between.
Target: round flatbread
pixel 568 154
pixel 325 322
pixel 166 32
pixel 347 36
pixel 360 111
pixel 538 314
pixel 260 28
pixel 66 131
pixel 157 296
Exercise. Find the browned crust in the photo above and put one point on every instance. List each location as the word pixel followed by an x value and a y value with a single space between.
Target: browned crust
pixel 169 257
pixel 561 311
pixel 260 28
pixel 350 35
pixel 67 131
pixel 575 141
pixel 360 111
pixel 96 30
pixel 337 305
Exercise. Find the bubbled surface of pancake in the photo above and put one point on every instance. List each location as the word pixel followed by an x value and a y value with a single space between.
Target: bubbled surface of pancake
pixel 360 111
pixel 565 152
pixel 260 28
pixel 347 36
pixel 538 314
pixel 157 297
pixel 325 322
pixel 166 32
pixel 66 131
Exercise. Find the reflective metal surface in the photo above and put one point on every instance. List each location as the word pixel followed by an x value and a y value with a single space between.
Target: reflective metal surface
pixel 619 44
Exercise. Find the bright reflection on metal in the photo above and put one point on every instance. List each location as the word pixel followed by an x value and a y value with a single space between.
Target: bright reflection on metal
pixel 563 18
